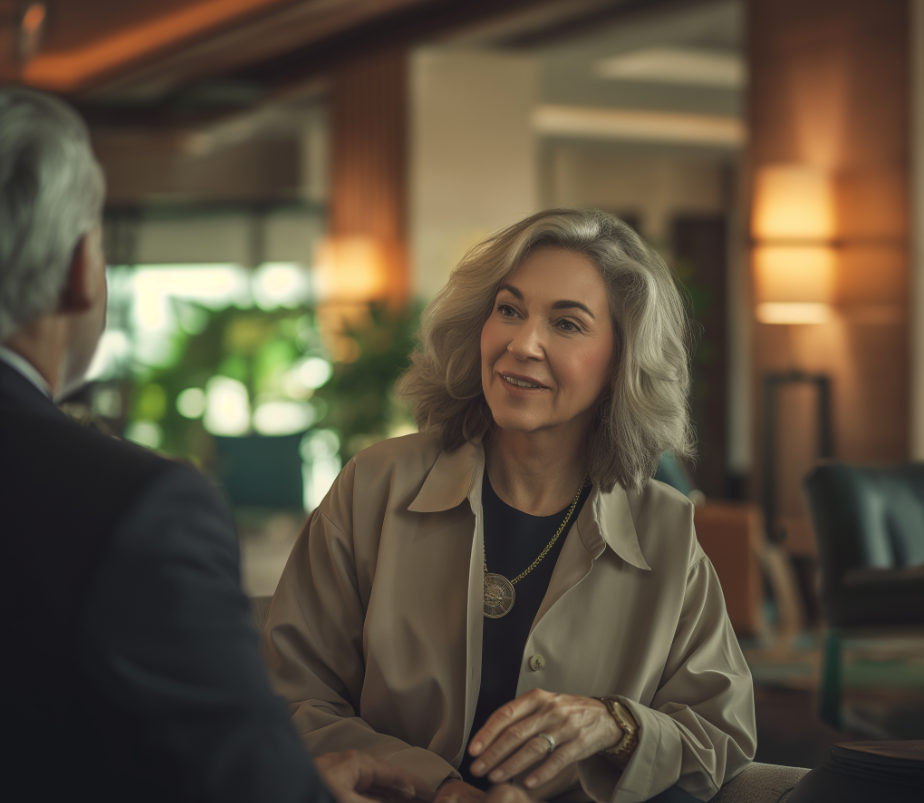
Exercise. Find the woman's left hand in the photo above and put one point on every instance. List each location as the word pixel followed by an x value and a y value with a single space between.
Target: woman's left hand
pixel 509 742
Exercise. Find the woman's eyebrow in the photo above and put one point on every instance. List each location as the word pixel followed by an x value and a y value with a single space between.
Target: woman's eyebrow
pixel 567 304
pixel 563 304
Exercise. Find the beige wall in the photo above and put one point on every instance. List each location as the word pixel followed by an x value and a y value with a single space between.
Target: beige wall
pixel 473 164
pixel 655 185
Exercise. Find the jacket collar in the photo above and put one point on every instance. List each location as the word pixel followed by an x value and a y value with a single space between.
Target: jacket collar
pixel 452 480
pixel 19 391
pixel 606 519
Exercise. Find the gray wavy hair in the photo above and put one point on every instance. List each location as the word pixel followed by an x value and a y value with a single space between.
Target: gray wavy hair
pixel 646 409
pixel 51 194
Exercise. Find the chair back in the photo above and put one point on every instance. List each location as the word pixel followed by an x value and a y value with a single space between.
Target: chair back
pixel 869 524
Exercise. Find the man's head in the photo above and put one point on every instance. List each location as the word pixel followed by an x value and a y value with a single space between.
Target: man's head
pixel 51 198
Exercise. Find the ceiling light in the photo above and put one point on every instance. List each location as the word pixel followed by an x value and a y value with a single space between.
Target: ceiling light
pixel 670 65
pixel 638 125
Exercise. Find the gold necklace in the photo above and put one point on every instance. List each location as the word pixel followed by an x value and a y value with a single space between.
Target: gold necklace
pixel 499 594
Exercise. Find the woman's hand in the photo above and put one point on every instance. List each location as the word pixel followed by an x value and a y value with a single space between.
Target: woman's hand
pixel 354 777
pixel 456 791
pixel 509 742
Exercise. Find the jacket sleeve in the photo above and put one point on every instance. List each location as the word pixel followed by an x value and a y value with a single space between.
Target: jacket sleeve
pixel 168 642
pixel 313 638
pixel 699 730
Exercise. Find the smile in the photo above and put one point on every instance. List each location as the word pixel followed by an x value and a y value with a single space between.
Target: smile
pixel 520 383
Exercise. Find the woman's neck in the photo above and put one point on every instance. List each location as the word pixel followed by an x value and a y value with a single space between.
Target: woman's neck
pixel 539 476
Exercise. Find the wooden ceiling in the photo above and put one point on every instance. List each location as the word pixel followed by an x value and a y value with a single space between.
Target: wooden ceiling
pixel 164 63
pixel 112 51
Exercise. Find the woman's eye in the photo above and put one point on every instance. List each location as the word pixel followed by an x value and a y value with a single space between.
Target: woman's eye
pixel 506 310
pixel 569 326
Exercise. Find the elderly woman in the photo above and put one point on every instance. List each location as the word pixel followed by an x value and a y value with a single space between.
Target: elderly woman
pixel 508 595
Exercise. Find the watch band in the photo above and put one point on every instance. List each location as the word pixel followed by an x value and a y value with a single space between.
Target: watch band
pixel 622 751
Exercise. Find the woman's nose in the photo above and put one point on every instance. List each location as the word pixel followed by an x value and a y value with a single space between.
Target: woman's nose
pixel 527 343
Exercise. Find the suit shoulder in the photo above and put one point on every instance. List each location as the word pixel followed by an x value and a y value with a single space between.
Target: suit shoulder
pixel 60 449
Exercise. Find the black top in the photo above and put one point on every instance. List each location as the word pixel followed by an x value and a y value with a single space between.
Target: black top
pixel 513 540
pixel 135 671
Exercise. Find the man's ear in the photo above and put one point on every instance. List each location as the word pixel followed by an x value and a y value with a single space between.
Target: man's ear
pixel 80 288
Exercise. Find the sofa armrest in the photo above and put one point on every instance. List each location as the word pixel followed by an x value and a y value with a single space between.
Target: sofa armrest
pixel 760 783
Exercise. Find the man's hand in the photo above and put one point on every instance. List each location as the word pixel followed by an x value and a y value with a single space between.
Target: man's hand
pixel 354 777
pixel 456 791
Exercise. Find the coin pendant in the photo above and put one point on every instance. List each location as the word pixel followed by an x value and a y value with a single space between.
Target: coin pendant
pixel 498 595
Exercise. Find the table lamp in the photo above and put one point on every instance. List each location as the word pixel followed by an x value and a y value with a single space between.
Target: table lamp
pixel 792 227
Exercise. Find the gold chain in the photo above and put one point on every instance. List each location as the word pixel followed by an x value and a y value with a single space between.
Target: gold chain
pixel 551 543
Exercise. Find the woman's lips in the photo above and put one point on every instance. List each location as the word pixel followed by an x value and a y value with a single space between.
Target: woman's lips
pixel 512 384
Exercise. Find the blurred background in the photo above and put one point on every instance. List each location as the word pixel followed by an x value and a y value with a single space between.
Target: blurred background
pixel 290 181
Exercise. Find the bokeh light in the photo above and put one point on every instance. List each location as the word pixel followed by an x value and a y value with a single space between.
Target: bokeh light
pixel 227 410
pixel 191 403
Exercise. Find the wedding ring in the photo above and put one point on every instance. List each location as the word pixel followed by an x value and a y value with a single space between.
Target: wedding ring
pixel 549 739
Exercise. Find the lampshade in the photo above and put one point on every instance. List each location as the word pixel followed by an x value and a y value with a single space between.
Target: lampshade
pixel 351 269
pixel 792 224
pixel 792 202
pixel 794 283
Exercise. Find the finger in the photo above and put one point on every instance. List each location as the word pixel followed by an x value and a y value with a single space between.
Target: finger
pixel 503 718
pixel 532 752
pixel 512 739
pixel 570 753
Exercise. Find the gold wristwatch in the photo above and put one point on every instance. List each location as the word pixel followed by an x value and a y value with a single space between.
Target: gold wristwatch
pixel 622 752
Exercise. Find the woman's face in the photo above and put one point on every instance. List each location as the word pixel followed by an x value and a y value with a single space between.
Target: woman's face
pixel 547 351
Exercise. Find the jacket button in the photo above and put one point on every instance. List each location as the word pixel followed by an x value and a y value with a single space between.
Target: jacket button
pixel 536 663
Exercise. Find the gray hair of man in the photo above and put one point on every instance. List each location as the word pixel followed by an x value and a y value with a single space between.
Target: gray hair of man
pixel 51 194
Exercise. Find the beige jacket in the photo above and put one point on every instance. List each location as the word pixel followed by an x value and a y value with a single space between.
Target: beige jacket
pixel 374 634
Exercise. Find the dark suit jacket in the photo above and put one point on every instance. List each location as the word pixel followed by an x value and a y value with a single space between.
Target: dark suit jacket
pixel 130 667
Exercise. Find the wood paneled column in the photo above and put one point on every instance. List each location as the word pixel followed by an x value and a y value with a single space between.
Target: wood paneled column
pixel 369 132
pixel 829 89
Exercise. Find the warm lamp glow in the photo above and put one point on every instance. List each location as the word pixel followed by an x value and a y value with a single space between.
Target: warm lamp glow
pixel 794 283
pixel 793 223
pixel 792 202
pixel 793 313
pixel 351 269
pixel 801 274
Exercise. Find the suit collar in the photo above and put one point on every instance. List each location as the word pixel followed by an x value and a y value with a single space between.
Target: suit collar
pixel 22 366
pixel 606 519
pixel 16 389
